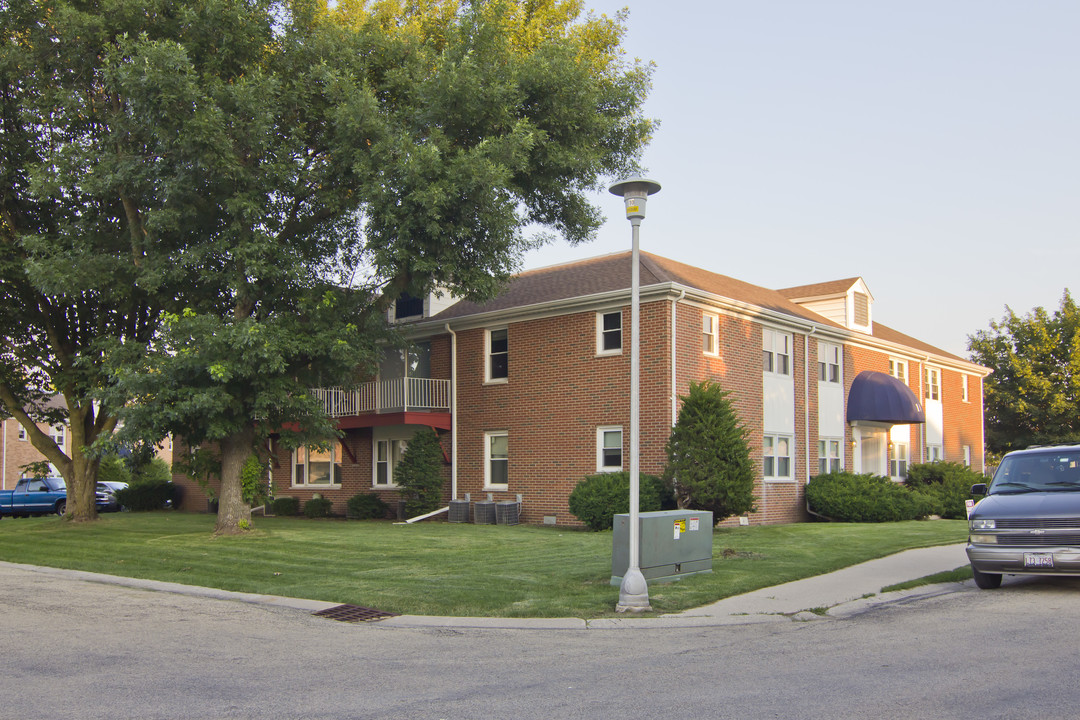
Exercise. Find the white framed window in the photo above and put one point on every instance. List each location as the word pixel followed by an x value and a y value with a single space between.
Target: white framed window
pixel 776 352
pixel 967 455
pixel 385 455
pixel 964 389
pixel 898 369
pixel 609 333
pixel 609 454
pixel 312 467
pixel 22 434
pixel 58 433
pixel 898 460
pixel 829 459
pixel 710 334
pixel 829 363
pixel 934 453
pixel 496 460
pixel 498 355
pixel 776 457
pixel 932 386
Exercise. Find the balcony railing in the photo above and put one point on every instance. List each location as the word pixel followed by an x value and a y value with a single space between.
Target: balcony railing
pixel 383 396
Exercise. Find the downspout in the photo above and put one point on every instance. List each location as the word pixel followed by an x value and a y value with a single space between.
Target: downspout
pixel 453 412
pixel 922 394
pixel 806 408
pixel 674 353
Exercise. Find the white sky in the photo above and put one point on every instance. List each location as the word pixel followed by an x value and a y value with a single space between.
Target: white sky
pixel 929 146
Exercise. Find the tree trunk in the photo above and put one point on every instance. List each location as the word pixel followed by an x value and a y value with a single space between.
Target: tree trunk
pixel 232 510
pixel 81 478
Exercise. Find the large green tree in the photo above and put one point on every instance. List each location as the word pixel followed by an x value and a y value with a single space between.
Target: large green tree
pixel 70 251
pixel 1033 393
pixel 310 163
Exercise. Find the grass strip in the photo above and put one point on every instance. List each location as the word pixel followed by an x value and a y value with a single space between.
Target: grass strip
pixel 438 568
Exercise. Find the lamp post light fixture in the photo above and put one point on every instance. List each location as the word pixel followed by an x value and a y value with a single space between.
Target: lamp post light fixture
pixel 634 591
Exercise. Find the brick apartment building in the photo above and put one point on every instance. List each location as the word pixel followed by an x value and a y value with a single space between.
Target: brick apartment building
pixel 529 392
pixel 16 451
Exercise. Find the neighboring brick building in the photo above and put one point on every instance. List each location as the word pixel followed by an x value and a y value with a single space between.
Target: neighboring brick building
pixel 16 450
pixel 529 392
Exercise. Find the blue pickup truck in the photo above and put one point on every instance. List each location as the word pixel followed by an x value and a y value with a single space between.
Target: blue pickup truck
pixel 34 496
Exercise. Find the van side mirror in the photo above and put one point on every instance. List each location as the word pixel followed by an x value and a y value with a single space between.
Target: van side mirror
pixel 978 489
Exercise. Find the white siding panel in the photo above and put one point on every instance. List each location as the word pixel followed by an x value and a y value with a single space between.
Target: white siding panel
pixel 934 422
pixel 779 404
pixel 830 410
pixel 835 309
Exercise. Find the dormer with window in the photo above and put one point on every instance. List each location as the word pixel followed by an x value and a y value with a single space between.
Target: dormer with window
pixel 846 302
pixel 408 308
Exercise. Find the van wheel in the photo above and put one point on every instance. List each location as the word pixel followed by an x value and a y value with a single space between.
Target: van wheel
pixel 986 581
pixel 61 508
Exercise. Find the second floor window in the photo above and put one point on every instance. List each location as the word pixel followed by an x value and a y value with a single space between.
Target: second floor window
pixel 22 433
pixel 776 352
pixel 609 333
pixel 964 388
pixel 898 369
pixel 58 435
pixel 828 362
pixel 498 355
pixel 710 334
pixel 933 384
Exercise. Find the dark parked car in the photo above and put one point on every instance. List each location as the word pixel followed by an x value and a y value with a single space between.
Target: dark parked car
pixel 106 495
pixel 1028 523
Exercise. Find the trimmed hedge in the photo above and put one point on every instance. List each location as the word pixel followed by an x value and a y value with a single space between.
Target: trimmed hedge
pixel 947 484
pixel 149 495
pixel 286 505
pixel 317 507
pixel 598 498
pixel 847 497
pixel 366 506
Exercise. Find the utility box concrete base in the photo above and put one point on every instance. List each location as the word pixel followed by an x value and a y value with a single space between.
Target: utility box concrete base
pixel 673 543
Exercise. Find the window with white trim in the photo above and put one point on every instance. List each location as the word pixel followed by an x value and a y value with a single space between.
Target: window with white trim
pixel 58 433
pixel 498 355
pixel 312 467
pixel 609 333
pixel 609 446
pixel 932 387
pixel 385 457
pixel 898 460
pixel 496 460
pixel 967 455
pixel 934 453
pixel 776 457
pixel 898 369
pixel 776 352
pixel 710 334
pixel 22 434
pixel 964 388
pixel 829 362
pixel 829 459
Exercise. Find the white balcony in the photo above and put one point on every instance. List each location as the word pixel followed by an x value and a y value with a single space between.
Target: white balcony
pixel 386 396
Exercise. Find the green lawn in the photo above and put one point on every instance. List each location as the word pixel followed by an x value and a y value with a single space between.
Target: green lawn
pixel 439 568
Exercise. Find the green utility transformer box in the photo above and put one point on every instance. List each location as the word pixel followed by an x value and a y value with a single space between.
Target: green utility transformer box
pixel 673 543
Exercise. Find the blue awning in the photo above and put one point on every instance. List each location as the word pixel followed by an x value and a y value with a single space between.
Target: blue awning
pixel 879 397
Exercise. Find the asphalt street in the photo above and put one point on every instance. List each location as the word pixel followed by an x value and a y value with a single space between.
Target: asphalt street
pixel 76 649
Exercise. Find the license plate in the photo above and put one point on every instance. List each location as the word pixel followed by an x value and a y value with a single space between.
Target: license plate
pixel 1038 560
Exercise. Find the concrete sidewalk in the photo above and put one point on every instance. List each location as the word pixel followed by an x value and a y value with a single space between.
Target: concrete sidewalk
pixel 844 592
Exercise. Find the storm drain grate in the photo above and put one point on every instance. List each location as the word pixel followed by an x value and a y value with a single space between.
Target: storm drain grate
pixel 353 613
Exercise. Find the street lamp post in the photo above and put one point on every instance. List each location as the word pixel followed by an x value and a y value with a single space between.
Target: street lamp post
pixel 634 591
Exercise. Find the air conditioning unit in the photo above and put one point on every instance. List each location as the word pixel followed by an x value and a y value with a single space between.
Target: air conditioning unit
pixel 459 511
pixel 506 512
pixel 484 512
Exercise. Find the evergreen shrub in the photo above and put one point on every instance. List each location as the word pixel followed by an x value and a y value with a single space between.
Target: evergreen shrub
pixel 318 507
pixel 847 497
pixel 366 506
pixel 149 495
pixel 947 484
pixel 598 498
pixel 419 474
pixel 286 505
